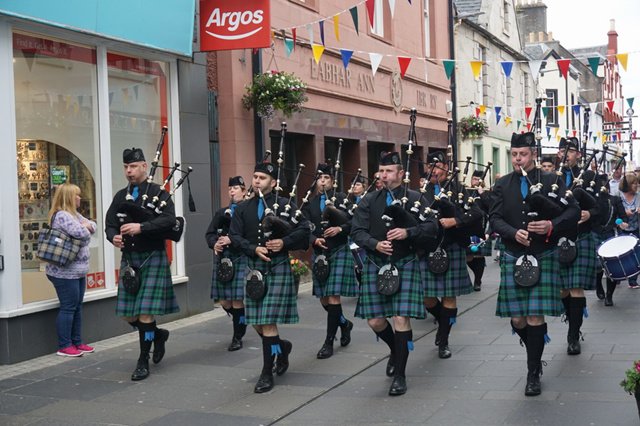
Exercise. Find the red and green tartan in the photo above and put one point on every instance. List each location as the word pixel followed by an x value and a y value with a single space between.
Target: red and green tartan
pixel 156 296
pixel 234 289
pixel 541 299
pixel 407 302
pixel 342 275
pixel 582 272
pixel 454 282
pixel 280 303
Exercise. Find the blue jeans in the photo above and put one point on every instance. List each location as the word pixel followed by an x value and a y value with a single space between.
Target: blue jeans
pixel 69 321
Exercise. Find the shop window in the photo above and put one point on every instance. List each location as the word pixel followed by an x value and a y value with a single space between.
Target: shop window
pixel 57 142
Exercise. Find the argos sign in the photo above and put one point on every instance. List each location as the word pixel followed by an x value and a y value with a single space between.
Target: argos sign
pixel 226 24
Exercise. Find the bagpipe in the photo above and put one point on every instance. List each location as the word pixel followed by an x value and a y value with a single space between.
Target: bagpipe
pixel 225 270
pixel 333 214
pixel 152 205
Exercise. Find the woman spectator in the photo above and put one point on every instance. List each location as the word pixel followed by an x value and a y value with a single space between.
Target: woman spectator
pixel 70 280
pixel 631 203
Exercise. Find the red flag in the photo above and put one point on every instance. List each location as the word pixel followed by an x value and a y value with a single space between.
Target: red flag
pixel 574 133
pixel 528 127
pixel 619 136
pixel 403 61
pixel 527 111
pixel 477 112
pixel 610 105
pixel 294 33
pixel 370 8
pixel 563 66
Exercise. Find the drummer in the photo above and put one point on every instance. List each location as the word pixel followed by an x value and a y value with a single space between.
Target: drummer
pixel 631 204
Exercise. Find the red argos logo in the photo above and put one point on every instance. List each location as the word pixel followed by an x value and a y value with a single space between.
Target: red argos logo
pixel 228 24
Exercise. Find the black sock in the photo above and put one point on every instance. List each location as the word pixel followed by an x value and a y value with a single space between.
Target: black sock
pixel 146 334
pixel 242 322
pixel 611 287
pixel 535 345
pixel 134 324
pixel 566 302
pixel 576 312
pixel 599 281
pixel 521 332
pixel 477 265
pixel 387 336
pixel 435 310
pixel 270 346
pixel 341 318
pixel 447 319
pixel 402 341
pixel 333 321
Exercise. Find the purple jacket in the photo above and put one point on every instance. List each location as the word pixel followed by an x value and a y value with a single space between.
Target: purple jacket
pixel 73 226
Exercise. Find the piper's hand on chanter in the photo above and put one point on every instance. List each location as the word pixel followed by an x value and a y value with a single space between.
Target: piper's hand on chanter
pixel 262 253
pixel 332 231
pixel 321 242
pixel 397 234
pixel 130 229
pixel 221 244
pixel 117 241
pixel 385 247
pixel 275 245
pixel 522 237
pixel 539 226
pixel 448 222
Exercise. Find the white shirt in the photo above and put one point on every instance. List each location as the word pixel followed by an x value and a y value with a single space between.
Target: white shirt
pixel 614 187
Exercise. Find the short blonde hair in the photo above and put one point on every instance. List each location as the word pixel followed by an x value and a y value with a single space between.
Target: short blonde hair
pixel 64 199
pixel 626 182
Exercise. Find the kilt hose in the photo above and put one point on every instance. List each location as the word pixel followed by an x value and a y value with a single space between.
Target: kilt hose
pixel 454 282
pixel 234 289
pixel 407 302
pixel 342 275
pixel 541 299
pixel 156 296
pixel 582 272
pixel 280 303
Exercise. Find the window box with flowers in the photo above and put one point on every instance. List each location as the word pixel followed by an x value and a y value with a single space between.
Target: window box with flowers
pixel 472 127
pixel 298 268
pixel 631 382
pixel 275 91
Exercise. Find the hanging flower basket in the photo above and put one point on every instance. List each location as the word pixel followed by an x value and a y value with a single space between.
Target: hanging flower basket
pixel 275 91
pixel 472 127
pixel 631 382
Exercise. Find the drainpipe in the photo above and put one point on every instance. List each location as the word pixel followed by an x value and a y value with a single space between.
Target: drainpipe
pixel 452 85
pixel 258 130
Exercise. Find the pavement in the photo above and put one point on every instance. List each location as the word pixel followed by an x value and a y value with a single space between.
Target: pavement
pixel 200 383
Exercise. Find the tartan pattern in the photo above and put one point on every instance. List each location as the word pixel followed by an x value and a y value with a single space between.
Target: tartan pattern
pixel 156 296
pixel 454 282
pixel 234 289
pixel 280 303
pixel 582 272
pixel 407 302
pixel 541 299
pixel 342 275
pixel 57 247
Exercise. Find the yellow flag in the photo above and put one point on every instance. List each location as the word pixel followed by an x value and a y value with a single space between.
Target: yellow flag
pixel 483 109
pixel 555 132
pixel 476 67
pixel 622 57
pixel 507 121
pixel 336 26
pixel 318 49
pixel 561 109
pixel 558 137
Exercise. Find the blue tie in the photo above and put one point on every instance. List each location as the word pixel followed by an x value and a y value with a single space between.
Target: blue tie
pixel 323 202
pixel 436 189
pixel 135 192
pixel 260 210
pixel 358 198
pixel 389 199
pixel 567 177
pixel 524 187
pixel 232 207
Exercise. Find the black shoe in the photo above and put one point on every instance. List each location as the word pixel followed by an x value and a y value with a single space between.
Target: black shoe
pixel 345 333
pixel 235 345
pixel 142 369
pixel 160 339
pixel 573 348
pixel 600 293
pixel 533 387
pixel 477 286
pixel 282 361
pixel 391 366
pixel 444 352
pixel 264 384
pixel 326 351
pixel 398 386
pixel 608 301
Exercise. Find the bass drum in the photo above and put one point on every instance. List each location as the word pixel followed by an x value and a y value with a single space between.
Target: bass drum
pixel 620 257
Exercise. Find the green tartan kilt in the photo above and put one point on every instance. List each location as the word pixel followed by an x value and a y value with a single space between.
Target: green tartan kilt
pixel 234 289
pixel 280 303
pixel 156 296
pixel 454 282
pixel 541 299
pixel 342 275
pixel 582 272
pixel 407 302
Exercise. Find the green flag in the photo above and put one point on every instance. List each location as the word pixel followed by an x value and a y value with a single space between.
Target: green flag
pixel 449 66
pixel 594 63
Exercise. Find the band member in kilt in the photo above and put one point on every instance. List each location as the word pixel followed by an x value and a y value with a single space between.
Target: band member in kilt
pixel 269 257
pixel 476 258
pixel 143 247
pixel 331 240
pixel 442 288
pixel 229 291
pixel 522 232
pixel 580 274
pixel 398 246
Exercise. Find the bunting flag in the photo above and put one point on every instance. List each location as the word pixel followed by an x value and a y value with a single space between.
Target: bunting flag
pixel 346 56
pixel 449 66
pixel 507 120
pixel 483 109
pixel 595 138
pixel 392 6
pixel 576 109
pixel 563 66
pixel 594 62
pixel 622 57
pixel 535 68
pixel 518 124
pixel 561 109
pixel 371 5
pixel 527 112
pixel 294 33
pixel 336 26
pixel 375 58
pixel 403 61
pixel 593 106
pixel 354 17
pixel 497 110
pixel 310 31
pixel 476 68
pixel 630 102
pixel 574 132
pixel 288 44
pixel 507 67
pixel 318 50
pixel 528 127
pixel 321 25
pixel 555 132
pixel 545 111
pixel 548 132
pixel 566 133
pixel 610 105
pixel 477 112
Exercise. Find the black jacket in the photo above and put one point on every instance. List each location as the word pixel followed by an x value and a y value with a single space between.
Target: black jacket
pixel 312 212
pixel 218 227
pixel 587 178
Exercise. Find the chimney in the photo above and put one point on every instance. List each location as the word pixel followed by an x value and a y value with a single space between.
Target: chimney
pixel 549 36
pixel 612 47
pixel 540 36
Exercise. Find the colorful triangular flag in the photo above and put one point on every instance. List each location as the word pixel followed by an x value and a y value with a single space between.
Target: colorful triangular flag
pixel 403 61
pixel 483 109
pixel 354 17
pixel 321 25
pixel 507 120
pixel 535 68
pixel 336 27
pixel 610 105
pixel 573 133
pixel 594 62
pixel 288 44
pixel 476 68
pixel 622 57
pixel 318 50
pixel 498 116
pixel 630 102
pixel 392 6
pixel 545 111
pixel 346 56
pixel 449 66
pixel 507 67
pixel 561 109
pixel 563 66
pixel 518 124
pixel 576 109
pixel 371 5
pixel 527 112
pixel 310 31
pixel 375 58
pixel 294 34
